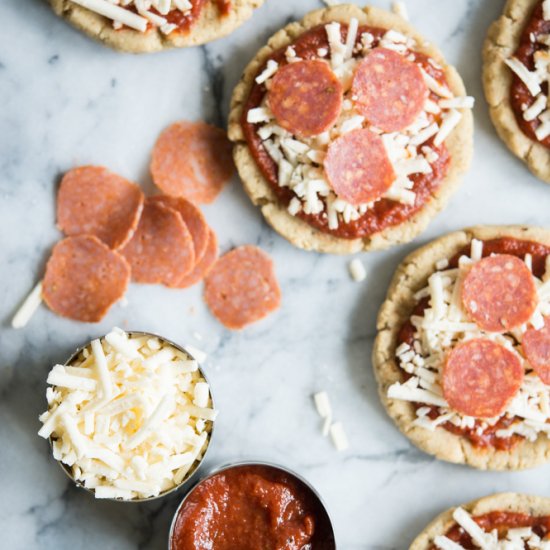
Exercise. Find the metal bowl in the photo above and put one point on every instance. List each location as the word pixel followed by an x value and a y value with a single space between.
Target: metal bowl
pixel 328 542
pixel 193 470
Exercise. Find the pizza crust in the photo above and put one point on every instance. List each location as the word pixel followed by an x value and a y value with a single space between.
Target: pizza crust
pixel 501 42
pixel 412 275
pixel 209 26
pixel 294 229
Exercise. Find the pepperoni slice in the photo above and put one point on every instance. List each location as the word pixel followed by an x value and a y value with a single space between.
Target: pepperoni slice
pixel 84 278
pixel 192 217
pixel 498 293
pixel 480 378
pixel 389 90
pixel 161 250
pixel 358 168
pixel 241 288
pixel 192 160
pixel 204 265
pixel 305 97
pixel 94 201
pixel 536 347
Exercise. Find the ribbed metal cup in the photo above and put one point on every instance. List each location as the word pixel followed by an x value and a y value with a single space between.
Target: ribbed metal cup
pixel 328 544
pixel 192 472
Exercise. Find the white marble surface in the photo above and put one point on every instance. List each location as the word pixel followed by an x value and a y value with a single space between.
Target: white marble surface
pixel 65 100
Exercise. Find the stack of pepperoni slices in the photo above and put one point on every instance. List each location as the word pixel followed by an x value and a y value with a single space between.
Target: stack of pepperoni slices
pixel 114 233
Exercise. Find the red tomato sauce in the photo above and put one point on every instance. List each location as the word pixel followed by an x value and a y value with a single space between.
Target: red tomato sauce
pixel 504 245
pixel 519 94
pixel 502 522
pixel 252 508
pixel 385 212
pixel 186 20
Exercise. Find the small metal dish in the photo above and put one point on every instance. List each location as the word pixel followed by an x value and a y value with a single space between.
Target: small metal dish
pixel 328 541
pixel 193 470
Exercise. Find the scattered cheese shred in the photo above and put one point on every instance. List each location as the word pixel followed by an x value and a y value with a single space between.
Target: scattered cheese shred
pixel 268 72
pixel 450 120
pixel 526 76
pixel 444 543
pixel 28 307
pixel 399 8
pixel 357 270
pixel 322 404
pixel 339 437
pixel 199 355
pixel 536 108
pixel 336 429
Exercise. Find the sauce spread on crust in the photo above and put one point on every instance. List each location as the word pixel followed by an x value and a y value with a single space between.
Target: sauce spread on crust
pixel 520 97
pixel 487 438
pixel 382 213
pixel 184 21
pixel 501 521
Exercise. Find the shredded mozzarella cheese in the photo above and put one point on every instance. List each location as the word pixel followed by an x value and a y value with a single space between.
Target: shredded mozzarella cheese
pixel 129 416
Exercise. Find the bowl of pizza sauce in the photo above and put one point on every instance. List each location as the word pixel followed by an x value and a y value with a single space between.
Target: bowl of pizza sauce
pixel 250 505
pixel 130 416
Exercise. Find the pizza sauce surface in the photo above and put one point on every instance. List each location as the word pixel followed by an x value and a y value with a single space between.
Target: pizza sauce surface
pixel 184 20
pixel 382 213
pixel 251 507
pixel 502 521
pixel 488 437
pixel 520 97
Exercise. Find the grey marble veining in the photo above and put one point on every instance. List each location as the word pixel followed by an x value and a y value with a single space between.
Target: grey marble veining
pixel 65 100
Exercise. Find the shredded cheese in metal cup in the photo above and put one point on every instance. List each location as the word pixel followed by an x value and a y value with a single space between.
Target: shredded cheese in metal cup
pixel 130 417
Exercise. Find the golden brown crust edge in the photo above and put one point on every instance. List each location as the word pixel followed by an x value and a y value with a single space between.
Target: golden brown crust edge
pixel 501 42
pixel 411 276
pixel 506 502
pixel 208 27
pixel 295 230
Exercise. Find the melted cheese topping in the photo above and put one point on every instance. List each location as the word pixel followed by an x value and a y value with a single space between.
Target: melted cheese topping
pixel 300 160
pixel 534 80
pixel 118 12
pixel 130 418
pixel 512 539
pixel 442 326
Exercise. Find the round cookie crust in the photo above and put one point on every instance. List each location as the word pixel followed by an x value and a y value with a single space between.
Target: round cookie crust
pixel 296 230
pixel 412 275
pixel 502 41
pixel 209 26
pixel 505 502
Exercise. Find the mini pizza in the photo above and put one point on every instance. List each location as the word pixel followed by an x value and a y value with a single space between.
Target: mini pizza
pixel 145 26
pixel 516 74
pixel 462 356
pixel 350 131
pixel 506 521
